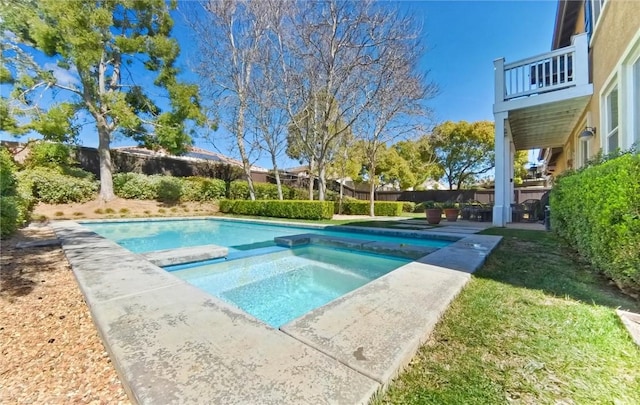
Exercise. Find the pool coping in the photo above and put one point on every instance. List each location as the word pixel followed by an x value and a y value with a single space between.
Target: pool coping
pixel 171 342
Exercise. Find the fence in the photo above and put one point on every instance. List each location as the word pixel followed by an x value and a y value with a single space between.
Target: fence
pixel 483 196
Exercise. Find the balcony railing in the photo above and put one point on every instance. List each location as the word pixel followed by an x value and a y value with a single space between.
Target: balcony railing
pixel 556 70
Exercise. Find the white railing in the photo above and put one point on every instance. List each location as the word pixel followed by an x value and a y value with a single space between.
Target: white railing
pixel 556 70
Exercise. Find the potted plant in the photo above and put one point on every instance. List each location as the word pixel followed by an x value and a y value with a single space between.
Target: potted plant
pixel 451 211
pixel 433 211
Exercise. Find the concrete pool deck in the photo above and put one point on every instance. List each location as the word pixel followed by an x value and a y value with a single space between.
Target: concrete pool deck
pixel 172 343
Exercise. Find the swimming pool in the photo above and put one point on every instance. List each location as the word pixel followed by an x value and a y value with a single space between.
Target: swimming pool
pixel 280 287
pixel 148 236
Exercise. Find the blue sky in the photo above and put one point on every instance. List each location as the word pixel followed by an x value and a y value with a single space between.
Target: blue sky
pixel 462 39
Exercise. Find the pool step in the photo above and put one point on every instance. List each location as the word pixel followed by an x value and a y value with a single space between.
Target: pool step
pixel 170 257
pixel 385 248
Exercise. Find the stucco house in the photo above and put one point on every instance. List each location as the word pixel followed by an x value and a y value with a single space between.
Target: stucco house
pixel 581 97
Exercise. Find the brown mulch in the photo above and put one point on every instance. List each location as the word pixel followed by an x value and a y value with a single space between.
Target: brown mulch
pixel 50 349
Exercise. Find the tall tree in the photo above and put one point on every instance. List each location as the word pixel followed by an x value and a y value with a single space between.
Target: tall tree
pixel 95 52
pixel 335 55
pixel 421 159
pixel 397 90
pixel 464 150
pixel 230 35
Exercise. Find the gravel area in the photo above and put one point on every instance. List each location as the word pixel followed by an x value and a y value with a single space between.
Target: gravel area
pixel 51 352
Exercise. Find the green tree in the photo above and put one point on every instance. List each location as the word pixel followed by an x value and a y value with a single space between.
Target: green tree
pixel 520 161
pixel 394 169
pixel 420 158
pixel 464 150
pixel 96 52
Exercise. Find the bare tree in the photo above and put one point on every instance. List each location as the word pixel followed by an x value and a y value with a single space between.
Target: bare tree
pixel 397 89
pixel 325 51
pixel 230 36
pixel 266 113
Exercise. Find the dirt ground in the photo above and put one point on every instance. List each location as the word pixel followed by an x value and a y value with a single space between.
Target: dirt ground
pixel 121 208
pixel 50 350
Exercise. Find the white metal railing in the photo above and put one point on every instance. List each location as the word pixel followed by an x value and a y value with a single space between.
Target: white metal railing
pixel 556 70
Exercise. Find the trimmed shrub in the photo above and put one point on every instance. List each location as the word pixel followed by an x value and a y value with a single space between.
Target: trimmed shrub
pixel 279 209
pixel 202 189
pixel 169 189
pixel 135 186
pixel 51 186
pixel 597 210
pixel 408 206
pixel 380 208
pixel 239 190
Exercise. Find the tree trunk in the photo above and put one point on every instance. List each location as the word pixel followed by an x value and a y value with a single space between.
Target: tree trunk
pixel 277 174
pixel 246 165
pixel 322 182
pixel 341 195
pixel 106 171
pixel 311 168
pixel 372 191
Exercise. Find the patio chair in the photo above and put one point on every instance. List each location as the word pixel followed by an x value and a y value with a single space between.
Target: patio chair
pixel 526 211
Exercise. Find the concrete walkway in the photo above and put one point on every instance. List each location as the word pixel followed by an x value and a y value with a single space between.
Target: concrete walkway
pixel 173 343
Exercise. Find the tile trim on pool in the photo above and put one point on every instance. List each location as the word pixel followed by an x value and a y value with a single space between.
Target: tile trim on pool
pixel 171 342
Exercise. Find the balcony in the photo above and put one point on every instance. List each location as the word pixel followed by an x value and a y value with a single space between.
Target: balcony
pixel 543 96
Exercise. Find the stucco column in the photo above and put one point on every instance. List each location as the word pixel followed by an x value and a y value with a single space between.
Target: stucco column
pixel 502 199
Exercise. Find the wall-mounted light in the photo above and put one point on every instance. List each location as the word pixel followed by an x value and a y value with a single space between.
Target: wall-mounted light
pixel 587 134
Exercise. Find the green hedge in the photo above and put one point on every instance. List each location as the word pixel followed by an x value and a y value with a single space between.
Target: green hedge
pixel 380 208
pixel 279 209
pixel 597 210
pixel 167 188
pixel 239 190
pixel 16 201
pixel 50 186
pixel 203 189
pixel 136 186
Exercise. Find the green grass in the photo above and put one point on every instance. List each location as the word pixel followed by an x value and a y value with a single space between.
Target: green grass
pixel 533 326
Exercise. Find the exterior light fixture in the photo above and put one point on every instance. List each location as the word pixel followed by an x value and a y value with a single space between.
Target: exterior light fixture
pixel 587 134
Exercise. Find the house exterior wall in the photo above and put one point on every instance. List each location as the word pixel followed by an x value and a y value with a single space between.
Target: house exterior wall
pixel 615 30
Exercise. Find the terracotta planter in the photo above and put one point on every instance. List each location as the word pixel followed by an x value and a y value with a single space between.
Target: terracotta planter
pixel 451 214
pixel 434 215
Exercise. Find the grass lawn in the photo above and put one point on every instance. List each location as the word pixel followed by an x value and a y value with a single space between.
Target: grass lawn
pixel 533 326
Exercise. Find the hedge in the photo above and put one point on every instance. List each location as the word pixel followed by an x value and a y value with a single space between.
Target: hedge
pixel 380 208
pixel 203 189
pixel 15 201
pixel 597 210
pixel 136 186
pixel 53 187
pixel 279 209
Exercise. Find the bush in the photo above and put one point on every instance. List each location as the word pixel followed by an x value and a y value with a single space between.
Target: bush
pixel 408 206
pixel 50 186
pixel 279 209
pixel 203 189
pixel 49 154
pixel 597 210
pixel 8 180
pixel 8 216
pixel 16 201
pixel 169 189
pixel 135 186
pixel 239 190
pixel 380 208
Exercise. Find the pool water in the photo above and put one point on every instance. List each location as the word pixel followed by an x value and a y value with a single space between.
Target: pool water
pixel 148 236
pixel 280 287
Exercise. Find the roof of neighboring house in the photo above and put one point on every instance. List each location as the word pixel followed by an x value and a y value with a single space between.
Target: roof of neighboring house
pixel 297 169
pixel 192 153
